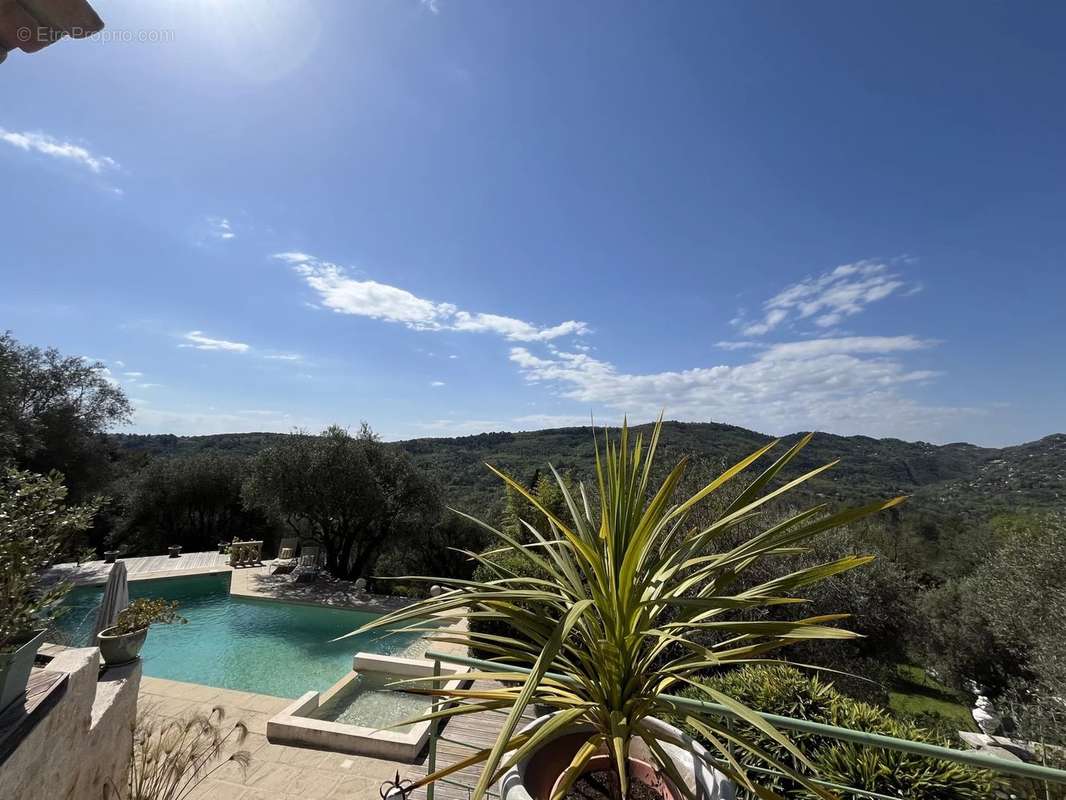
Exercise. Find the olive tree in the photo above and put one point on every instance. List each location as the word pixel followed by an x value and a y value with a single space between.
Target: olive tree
pixel 36 528
pixel 352 495
pixel 193 501
pixel 53 412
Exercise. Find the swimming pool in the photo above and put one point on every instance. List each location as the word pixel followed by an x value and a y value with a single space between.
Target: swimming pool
pixel 280 649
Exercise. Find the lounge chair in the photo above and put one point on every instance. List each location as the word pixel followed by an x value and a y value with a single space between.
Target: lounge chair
pixel 309 564
pixel 286 560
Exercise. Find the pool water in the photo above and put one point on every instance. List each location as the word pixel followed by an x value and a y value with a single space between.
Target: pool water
pixel 367 703
pixel 274 648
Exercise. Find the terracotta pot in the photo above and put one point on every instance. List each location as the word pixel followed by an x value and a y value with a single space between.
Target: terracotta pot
pixel 639 770
pixel 15 666
pixel 535 776
pixel 120 648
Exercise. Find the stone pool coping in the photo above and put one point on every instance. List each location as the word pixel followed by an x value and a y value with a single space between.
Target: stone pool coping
pixel 294 726
pixel 253 582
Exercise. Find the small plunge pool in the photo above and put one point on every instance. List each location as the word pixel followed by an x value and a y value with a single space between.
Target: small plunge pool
pixel 356 714
pixel 366 702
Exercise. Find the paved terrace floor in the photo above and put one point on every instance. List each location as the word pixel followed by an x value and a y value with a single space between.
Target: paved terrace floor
pixel 277 772
pixel 280 772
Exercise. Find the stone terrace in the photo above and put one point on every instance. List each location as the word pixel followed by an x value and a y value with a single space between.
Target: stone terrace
pixel 143 567
pixel 253 581
pixel 278 772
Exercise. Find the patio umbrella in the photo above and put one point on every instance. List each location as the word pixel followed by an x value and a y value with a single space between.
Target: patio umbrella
pixel 116 597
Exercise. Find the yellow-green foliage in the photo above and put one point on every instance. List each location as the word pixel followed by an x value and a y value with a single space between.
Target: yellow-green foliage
pixel 639 597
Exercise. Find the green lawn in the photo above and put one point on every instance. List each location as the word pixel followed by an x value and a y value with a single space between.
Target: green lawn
pixel 913 692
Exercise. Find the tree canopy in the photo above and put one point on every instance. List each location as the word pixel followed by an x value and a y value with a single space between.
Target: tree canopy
pixel 352 495
pixel 193 501
pixel 53 412
pixel 36 529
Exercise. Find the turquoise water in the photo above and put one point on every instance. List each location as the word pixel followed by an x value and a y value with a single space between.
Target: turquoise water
pixel 280 649
pixel 368 703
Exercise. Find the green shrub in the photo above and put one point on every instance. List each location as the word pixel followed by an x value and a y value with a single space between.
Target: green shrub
pixel 143 612
pixel 36 528
pixel 788 692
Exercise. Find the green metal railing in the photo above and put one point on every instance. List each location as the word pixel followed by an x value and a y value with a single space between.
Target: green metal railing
pixel 1018 769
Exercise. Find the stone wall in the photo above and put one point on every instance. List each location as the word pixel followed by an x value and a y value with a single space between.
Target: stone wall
pixel 83 743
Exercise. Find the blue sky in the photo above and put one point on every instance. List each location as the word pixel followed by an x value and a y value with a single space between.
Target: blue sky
pixel 453 216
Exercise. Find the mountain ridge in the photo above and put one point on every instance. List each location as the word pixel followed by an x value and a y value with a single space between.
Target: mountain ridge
pixel 959 478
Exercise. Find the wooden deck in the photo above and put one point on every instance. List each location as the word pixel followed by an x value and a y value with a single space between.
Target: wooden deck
pixel 460 739
pixel 143 567
pixel 43 690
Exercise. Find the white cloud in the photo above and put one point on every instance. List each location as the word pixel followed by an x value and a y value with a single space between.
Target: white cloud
pixel 828 299
pixel 453 356
pixel 285 357
pixel 738 345
pixel 436 383
pixel 340 292
pixel 844 385
pixel 294 257
pixel 120 363
pixel 433 6
pixel 198 341
pixel 515 330
pixel 55 148
pixel 811 348
pixel 221 228
pixel 131 374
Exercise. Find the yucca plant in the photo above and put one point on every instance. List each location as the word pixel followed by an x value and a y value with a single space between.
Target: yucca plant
pixel 636 604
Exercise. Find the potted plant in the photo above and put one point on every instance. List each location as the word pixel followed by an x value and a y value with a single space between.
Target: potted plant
pixel 110 556
pixel 174 550
pixel 35 529
pixel 122 642
pixel 642 597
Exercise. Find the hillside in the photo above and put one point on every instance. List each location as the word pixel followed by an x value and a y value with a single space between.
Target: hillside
pixel 955 480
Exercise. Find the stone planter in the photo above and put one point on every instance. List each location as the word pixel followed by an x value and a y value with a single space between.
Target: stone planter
pixel 110 556
pixel 534 777
pixel 120 648
pixel 15 666
pixel 174 550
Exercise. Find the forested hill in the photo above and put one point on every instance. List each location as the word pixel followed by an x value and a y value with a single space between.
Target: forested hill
pixel 955 479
